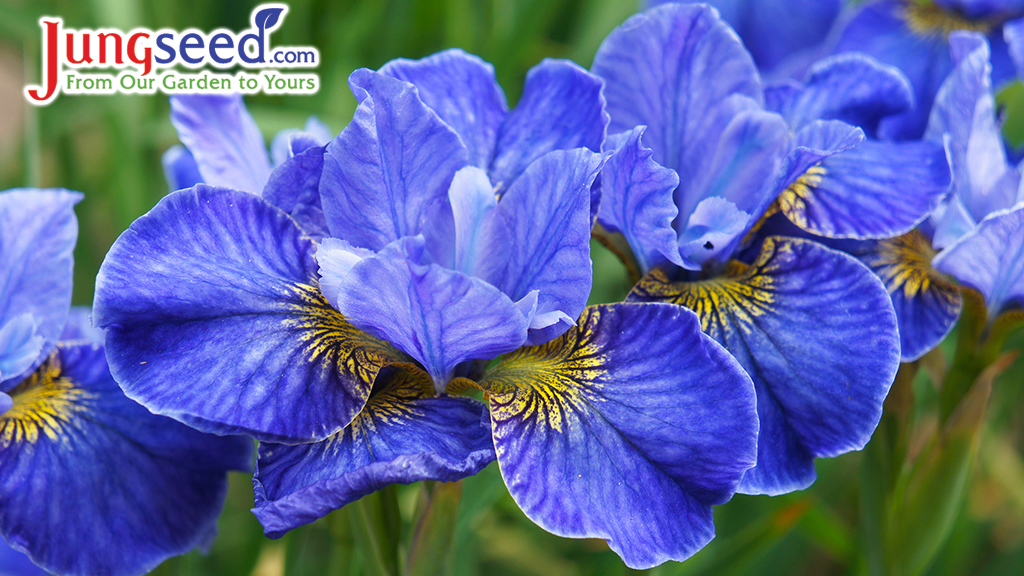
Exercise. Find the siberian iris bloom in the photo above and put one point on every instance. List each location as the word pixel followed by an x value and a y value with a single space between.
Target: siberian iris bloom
pixel 783 36
pixel 90 482
pixel 813 327
pixel 453 231
pixel 914 36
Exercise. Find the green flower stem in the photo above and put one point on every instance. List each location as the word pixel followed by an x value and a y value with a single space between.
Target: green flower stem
pixel 376 527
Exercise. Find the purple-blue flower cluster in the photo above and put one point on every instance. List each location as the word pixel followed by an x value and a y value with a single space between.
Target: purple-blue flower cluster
pixel 407 300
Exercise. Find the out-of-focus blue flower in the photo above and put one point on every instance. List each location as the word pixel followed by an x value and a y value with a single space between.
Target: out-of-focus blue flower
pixel 783 36
pixel 914 36
pixel 224 147
pixel 980 228
pixel 454 230
pixel 813 327
pixel 65 426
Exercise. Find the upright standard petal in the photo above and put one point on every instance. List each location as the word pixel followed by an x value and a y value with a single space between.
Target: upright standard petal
pixel 853 88
pixel 224 140
pixel 991 258
pixel 294 187
pixel 92 483
pixel 462 90
pixel 628 427
pixel 548 213
pixel 214 317
pixel 876 190
pixel 636 200
pixel 391 166
pixel 403 435
pixel 816 331
pixel 562 107
pixel 964 118
pixel 668 69
pixel 38 230
pixel 438 316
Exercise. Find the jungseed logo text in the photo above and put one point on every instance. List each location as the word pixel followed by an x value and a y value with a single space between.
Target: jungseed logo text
pixel 143 57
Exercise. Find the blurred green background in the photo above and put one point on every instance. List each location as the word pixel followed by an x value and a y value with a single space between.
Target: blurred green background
pixel 109 148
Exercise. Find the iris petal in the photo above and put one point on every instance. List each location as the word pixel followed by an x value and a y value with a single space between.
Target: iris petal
pixel 38 230
pixel 991 258
pixel 294 187
pixel 224 140
pixel 562 107
pixel 547 210
pixel 61 501
pixel 852 88
pixel 403 435
pixel 876 190
pixel 668 69
pixel 636 200
pixel 816 331
pixel 436 315
pixel 216 291
pixel 462 90
pixel 628 427
pixel 927 302
pixel 377 185
pixel 964 117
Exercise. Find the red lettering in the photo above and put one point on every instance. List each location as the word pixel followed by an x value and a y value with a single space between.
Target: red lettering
pixel 147 58
pixel 50 32
pixel 102 38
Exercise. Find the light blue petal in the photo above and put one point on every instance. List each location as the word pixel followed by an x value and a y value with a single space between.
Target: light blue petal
pixel 711 230
pixel 636 200
pixel 438 316
pixel 964 117
pixel 402 436
pixel 990 259
pixel 816 331
pixel 224 140
pixel 547 210
pixel 92 483
pixel 288 143
pixel 38 230
pixel 79 327
pixel 20 345
pixel 214 316
pixel 628 428
pixel 482 246
pixel 389 167
pixel 462 90
pixel 562 107
pixel 668 69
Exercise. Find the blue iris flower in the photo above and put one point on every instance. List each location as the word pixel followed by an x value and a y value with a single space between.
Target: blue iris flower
pixel 65 425
pixel 813 327
pixel 783 36
pixel 914 36
pixel 445 230
pixel 974 234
